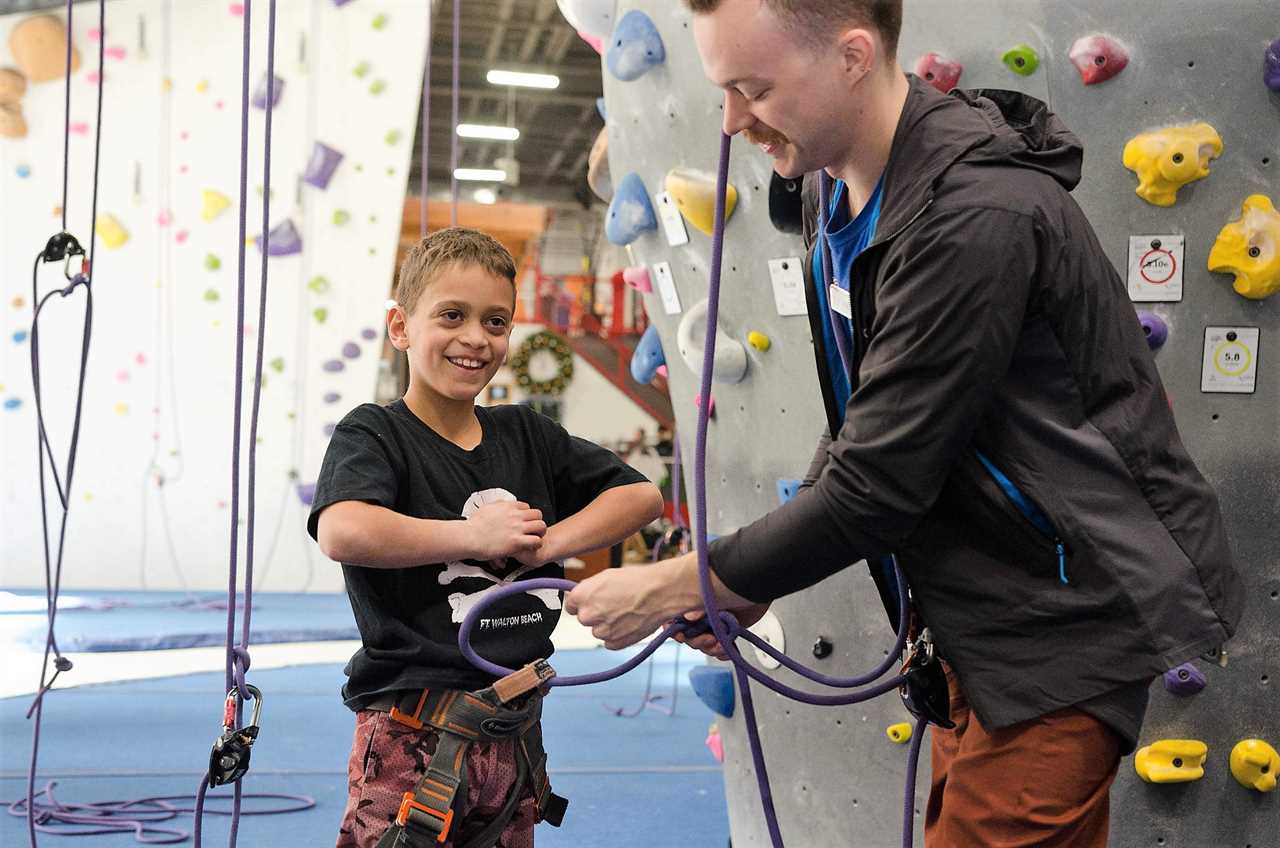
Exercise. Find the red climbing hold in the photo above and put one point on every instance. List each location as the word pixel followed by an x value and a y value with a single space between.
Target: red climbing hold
pixel 940 73
pixel 1098 58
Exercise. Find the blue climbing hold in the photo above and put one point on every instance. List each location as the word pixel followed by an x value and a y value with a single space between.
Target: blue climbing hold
pixel 648 356
pixel 714 687
pixel 630 212
pixel 635 48
pixel 600 107
pixel 788 489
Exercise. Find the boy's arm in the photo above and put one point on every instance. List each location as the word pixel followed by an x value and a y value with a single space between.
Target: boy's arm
pixel 360 533
pixel 614 515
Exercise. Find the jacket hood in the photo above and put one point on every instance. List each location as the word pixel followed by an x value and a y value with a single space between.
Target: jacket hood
pixel 978 127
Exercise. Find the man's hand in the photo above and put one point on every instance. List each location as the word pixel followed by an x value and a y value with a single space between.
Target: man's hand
pixel 622 606
pixel 707 642
pixel 507 528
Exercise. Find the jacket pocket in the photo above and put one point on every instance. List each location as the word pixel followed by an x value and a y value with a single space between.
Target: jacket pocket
pixel 1015 512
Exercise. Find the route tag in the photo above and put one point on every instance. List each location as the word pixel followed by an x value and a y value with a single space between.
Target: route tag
pixel 787 276
pixel 1230 360
pixel 1155 268
pixel 666 288
pixel 672 221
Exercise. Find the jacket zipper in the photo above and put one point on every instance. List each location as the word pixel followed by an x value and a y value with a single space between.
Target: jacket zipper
pixel 1030 511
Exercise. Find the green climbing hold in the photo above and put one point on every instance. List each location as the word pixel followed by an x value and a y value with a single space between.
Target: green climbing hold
pixel 211 262
pixel 361 70
pixel 277 364
pixel 212 296
pixel 340 217
pixel 320 314
pixel 1023 60
pixel 380 22
pixel 377 86
pixel 319 285
pixel 392 137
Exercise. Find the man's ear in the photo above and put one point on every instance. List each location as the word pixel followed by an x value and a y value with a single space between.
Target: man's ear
pixel 397 330
pixel 859 49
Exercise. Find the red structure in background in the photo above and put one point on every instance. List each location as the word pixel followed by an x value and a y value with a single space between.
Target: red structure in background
pixel 567 305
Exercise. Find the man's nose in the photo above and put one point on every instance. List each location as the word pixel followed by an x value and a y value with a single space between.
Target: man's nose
pixel 736 115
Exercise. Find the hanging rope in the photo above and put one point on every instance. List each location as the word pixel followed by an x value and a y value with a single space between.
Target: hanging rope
pixel 453 129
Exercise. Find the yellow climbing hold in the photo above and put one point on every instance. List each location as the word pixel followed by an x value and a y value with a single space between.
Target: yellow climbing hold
pixel 111 231
pixel 212 204
pixel 202 86
pixel 1254 764
pixel 1171 761
pixel 695 194
pixel 761 342
pixel 122 409
pixel 900 732
pixel 1167 159
pixel 1249 247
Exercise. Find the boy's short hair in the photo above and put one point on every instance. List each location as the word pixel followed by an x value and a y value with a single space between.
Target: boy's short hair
pixel 443 248
pixel 820 18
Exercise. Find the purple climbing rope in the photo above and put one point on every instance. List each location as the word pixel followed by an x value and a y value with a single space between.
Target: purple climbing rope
pixel 425 133
pixel 53 574
pixel 723 624
pixel 453 128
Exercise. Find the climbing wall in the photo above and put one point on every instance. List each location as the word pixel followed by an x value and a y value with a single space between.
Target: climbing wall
pixel 837 775
pixel 152 483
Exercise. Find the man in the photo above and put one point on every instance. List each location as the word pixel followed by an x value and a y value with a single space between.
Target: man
pixel 1001 426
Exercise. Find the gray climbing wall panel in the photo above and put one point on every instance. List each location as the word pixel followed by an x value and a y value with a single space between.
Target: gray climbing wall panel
pixel 837 779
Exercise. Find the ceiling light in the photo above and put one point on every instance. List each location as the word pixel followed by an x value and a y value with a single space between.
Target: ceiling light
pixel 487 196
pixel 497 77
pixel 488 131
pixel 483 175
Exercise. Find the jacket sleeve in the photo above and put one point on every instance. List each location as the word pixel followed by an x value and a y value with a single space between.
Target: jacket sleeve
pixel 949 309
pixel 819 461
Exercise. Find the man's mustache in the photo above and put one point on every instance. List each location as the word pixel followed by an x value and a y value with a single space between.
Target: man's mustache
pixel 766 137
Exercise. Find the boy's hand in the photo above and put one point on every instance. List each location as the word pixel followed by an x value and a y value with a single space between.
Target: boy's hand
pixel 507 528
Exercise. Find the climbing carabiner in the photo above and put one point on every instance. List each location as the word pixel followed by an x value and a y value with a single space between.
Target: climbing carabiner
pixel 229 760
pixel 924 688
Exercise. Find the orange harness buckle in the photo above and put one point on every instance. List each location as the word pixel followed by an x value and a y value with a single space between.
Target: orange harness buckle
pixel 410 720
pixel 407 804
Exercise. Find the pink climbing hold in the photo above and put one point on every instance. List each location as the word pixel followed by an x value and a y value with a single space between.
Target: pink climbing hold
pixel 711 407
pixel 942 74
pixel 1098 58
pixel 236 9
pixel 638 278
pixel 596 42
pixel 715 744
pixel 662 371
pixel 117 53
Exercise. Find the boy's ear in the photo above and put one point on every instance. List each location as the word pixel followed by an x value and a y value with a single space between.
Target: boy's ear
pixel 396 329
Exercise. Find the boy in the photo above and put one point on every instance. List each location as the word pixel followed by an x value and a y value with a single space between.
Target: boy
pixel 427 503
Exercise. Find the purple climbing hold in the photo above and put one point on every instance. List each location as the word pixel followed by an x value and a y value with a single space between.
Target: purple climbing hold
pixel 1184 680
pixel 332 397
pixel 333 366
pixel 320 167
pixel 351 350
pixel 306 493
pixel 260 92
pixel 1156 330
pixel 368 334
pixel 1271 66
pixel 283 240
pixel 329 428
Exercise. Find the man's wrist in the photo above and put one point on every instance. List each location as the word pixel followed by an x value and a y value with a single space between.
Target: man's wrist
pixel 681 584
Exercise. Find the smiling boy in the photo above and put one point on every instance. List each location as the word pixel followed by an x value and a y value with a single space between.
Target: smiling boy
pixel 429 502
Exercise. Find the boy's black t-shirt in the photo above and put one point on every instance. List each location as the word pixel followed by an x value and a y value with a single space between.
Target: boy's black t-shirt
pixel 409 617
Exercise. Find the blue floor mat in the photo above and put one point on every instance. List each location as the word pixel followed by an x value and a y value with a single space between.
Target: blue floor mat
pixel 640 781
pixel 148 621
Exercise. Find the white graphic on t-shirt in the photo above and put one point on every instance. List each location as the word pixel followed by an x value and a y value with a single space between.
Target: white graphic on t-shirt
pixel 461 602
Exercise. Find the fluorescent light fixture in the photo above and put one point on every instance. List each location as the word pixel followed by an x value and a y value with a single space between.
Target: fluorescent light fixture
pixel 488 131
pixel 481 175
pixel 487 196
pixel 497 77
